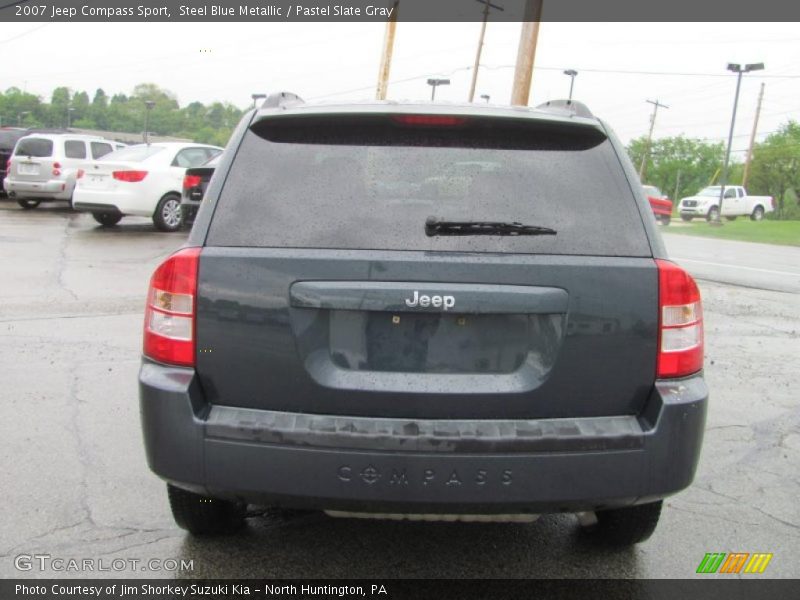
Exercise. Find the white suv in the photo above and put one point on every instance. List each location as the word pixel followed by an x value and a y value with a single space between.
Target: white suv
pixel 44 166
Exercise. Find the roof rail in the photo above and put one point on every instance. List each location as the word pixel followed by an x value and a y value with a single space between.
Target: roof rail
pixel 575 108
pixel 282 100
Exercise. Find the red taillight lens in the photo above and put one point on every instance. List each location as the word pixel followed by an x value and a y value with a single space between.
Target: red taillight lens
pixel 190 181
pixel 129 176
pixel 170 312
pixel 80 174
pixel 56 165
pixel 680 322
pixel 429 120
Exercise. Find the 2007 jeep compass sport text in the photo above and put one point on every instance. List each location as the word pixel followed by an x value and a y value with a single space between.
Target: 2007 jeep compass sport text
pixel 424 312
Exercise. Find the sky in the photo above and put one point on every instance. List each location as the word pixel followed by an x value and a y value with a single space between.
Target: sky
pixel 620 66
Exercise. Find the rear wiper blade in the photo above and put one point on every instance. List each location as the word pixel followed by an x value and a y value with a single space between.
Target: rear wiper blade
pixel 434 226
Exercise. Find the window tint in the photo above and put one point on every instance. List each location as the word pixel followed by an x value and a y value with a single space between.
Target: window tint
pixel 100 149
pixel 190 157
pixel 8 138
pixel 36 147
pixel 74 149
pixel 358 186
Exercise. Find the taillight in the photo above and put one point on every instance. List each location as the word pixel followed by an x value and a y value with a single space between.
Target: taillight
pixel 190 181
pixel 680 322
pixel 129 176
pixel 80 174
pixel 170 312
pixel 429 120
pixel 56 169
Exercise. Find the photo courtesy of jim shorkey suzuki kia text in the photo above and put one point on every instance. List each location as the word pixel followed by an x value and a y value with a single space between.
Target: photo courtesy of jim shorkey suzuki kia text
pixel 193 590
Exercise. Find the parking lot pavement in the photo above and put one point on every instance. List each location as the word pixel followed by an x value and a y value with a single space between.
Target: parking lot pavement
pixel 76 484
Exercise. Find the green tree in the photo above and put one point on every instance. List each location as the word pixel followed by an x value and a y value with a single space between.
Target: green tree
pixel 686 163
pixel 775 169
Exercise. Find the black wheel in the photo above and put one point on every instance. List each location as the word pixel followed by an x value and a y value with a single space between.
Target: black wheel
pixel 686 218
pixel 28 204
pixel 713 214
pixel 200 515
pixel 626 526
pixel 168 213
pixel 731 218
pixel 758 213
pixel 107 219
pixel 665 220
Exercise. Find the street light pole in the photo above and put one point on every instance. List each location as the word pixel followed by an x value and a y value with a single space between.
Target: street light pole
pixel 739 70
pixel 486 97
pixel 434 83
pixel 571 73
pixel 148 106
pixel 487 5
pixel 70 110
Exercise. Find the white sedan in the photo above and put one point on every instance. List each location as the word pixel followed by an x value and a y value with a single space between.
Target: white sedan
pixel 144 180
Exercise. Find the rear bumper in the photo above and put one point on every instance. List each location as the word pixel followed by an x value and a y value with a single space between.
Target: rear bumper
pixel 115 201
pixel 397 465
pixel 55 189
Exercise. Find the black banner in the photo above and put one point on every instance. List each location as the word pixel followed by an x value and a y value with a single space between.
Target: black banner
pixel 300 11
pixel 711 588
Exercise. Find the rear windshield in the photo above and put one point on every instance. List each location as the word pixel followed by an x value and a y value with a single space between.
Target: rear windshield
pixel 37 147
pixel 371 184
pixel 134 153
pixel 9 138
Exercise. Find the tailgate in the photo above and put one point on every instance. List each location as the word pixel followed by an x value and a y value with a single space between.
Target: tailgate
pixel 539 337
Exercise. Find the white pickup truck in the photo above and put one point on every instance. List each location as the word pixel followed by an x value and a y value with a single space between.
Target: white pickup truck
pixel 736 203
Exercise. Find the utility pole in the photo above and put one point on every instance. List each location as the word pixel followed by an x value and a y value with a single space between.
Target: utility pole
pixel 526 54
pixel 677 186
pixel 386 58
pixel 746 173
pixel 643 167
pixel 487 5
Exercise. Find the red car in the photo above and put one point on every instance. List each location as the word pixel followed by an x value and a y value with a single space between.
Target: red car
pixel 661 205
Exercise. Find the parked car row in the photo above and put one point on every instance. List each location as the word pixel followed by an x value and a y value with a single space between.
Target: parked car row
pixel 100 176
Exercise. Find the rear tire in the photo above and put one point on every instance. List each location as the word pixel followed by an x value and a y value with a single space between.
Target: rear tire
pixel 168 213
pixel 758 213
pixel 107 219
pixel 200 515
pixel 626 526
pixel 713 214
pixel 665 220
pixel 28 204
pixel 686 218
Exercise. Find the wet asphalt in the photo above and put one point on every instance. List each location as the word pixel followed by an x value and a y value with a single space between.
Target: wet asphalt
pixel 76 485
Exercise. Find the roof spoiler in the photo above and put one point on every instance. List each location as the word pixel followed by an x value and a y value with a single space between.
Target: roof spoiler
pixel 572 107
pixel 282 100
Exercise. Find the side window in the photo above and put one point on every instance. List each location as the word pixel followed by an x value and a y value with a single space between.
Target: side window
pixel 212 152
pixel 190 157
pixel 100 149
pixel 741 193
pixel 74 149
pixel 730 193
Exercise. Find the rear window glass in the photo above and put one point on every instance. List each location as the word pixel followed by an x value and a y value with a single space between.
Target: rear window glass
pixel 37 147
pixel 134 153
pixel 100 149
pixel 371 184
pixel 74 149
pixel 9 138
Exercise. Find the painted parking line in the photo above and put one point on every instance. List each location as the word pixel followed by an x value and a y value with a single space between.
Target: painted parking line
pixel 730 266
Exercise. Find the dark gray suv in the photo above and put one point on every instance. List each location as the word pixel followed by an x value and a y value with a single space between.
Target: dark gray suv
pixel 424 312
